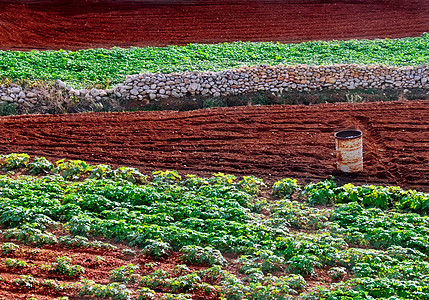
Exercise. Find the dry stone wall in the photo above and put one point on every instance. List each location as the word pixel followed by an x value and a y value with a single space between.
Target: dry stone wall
pixel 276 79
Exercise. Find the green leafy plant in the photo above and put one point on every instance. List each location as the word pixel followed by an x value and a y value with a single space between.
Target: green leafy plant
pixel 130 174
pixel 40 165
pixel 127 273
pixel 183 283
pixel 168 296
pixel 27 281
pixel 337 272
pixel 320 193
pixel 14 161
pixel 414 200
pixel 285 187
pixel 222 179
pixel 379 240
pixel 15 263
pixel 303 264
pixel 63 265
pixel 101 171
pixel 146 294
pixel 7 248
pixel 83 242
pixel 197 254
pixel 29 234
pixel 128 252
pixel 71 169
pixel 154 279
pixel 166 177
pixel 112 290
pixel 251 184
pixel 156 248
pixel 181 269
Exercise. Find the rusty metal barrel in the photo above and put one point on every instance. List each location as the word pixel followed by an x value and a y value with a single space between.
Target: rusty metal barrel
pixel 348 145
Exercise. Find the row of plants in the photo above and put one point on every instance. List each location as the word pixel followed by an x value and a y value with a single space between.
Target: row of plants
pixel 110 66
pixel 368 239
pixel 321 193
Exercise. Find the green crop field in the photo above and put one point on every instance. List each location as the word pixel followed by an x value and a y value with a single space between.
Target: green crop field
pixel 371 242
pixel 110 66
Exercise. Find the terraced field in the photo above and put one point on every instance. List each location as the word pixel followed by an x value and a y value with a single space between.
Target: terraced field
pixel 253 211
pixel 42 24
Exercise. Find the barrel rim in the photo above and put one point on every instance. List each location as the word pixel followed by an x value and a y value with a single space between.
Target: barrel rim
pixel 348 134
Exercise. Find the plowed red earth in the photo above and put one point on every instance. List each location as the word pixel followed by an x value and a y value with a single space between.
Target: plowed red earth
pixel 271 142
pixel 77 24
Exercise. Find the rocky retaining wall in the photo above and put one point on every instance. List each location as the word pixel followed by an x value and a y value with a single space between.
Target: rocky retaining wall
pixel 275 79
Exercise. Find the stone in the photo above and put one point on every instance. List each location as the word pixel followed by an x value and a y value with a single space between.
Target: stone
pixel 21 94
pixel 134 92
pixel 27 104
pixel 6 98
pixel 61 84
pixel 193 87
pixel 424 80
pixel 94 92
pixel 152 96
pixel 31 95
pixel 175 94
pixel 15 90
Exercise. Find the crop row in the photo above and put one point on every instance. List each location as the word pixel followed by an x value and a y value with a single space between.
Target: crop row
pixel 110 66
pixel 366 237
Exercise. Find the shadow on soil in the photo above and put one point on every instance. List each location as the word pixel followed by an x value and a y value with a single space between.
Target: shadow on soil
pixel 266 98
pixel 53 103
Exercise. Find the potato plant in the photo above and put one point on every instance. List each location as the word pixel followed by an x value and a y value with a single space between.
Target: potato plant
pixel 370 241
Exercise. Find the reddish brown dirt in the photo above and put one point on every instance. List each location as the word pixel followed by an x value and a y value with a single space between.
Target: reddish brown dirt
pixel 77 24
pixel 271 142
pixel 97 264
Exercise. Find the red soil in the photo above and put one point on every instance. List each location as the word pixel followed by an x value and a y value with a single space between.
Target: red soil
pixel 97 264
pixel 271 142
pixel 77 24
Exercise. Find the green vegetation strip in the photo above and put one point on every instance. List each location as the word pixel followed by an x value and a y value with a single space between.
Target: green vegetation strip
pixel 110 66
pixel 374 241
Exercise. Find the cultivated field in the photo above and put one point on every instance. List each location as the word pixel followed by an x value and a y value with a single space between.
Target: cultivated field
pixel 223 203
pixel 271 142
pixel 38 24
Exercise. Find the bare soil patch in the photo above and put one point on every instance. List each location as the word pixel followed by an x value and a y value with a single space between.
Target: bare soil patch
pixel 271 142
pixel 64 24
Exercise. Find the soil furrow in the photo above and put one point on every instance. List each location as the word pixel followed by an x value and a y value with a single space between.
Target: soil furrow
pixel 271 142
